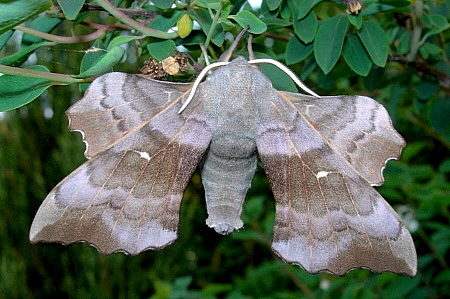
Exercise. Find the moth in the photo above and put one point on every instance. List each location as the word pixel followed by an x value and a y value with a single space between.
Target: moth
pixel 145 138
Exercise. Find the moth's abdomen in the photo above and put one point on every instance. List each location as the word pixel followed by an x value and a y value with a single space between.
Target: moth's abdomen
pixel 227 172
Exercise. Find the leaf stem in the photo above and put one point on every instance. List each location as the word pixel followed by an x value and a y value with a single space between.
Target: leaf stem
pixel 213 25
pixel 63 39
pixel 54 77
pixel 134 24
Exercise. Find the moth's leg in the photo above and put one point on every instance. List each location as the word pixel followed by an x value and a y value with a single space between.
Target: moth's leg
pixel 226 56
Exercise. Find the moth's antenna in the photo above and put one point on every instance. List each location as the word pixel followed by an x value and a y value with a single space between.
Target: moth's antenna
pixel 199 79
pixel 287 71
pixel 227 54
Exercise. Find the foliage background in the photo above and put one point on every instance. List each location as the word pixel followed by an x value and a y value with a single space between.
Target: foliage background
pixel 404 66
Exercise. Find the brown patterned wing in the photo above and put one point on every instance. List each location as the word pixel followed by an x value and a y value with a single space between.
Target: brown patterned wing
pixel 127 198
pixel 328 217
pixel 356 127
pixel 116 104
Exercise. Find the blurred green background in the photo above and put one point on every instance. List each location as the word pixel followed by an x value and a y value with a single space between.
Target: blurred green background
pixel 37 151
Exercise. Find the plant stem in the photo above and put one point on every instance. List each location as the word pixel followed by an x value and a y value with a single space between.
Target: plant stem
pixel 62 39
pixel 134 24
pixel 213 25
pixel 54 77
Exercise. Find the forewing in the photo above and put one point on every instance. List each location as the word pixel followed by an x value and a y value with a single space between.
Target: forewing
pixel 127 198
pixel 116 104
pixel 356 127
pixel 328 218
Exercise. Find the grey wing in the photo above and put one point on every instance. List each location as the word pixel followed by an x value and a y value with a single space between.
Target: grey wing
pixel 356 127
pixel 116 104
pixel 328 218
pixel 127 198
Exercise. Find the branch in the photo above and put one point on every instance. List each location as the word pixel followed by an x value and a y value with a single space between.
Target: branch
pixel 114 11
pixel 424 67
pixel 136 12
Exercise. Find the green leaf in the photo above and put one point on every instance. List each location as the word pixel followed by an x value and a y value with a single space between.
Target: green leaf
pixel 163 4
pixel 16 12
pixel 203 17
pixel 355 20
pixel 375 41
pixel 297 51
pixel 102 65
pixel 279 79
pixel 71 8
pixel 164 23
pixel 273 4
pixel 356 56
pixel 4 37
pixel 120 40
pixel 17 91
pixel 245 18
pixel 42 24
pixel 301 8
pixel 439 113
pixel 428 49
pixel 306 28
pixel 329 42
pixel 19 57
pixel 161 50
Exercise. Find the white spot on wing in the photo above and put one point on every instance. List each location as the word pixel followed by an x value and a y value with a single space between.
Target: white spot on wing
pixel 143 155
pixel 322 174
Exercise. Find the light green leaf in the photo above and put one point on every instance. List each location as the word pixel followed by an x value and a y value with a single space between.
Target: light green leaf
pixel 306 28
pixel 329 41
pixel 102 65
pixel 375 41
pixel 17 91
pixel 245 18
pixel 71 8
pixel 16 12
pixel 356 56
pixel 4 37
pixel 161 50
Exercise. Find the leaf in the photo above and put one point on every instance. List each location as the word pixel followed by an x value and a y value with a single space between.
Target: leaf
pixel 184 25
pixel 355 20
pixel 245 18
pixel 71 8
pixel 19 57
pixel 375 41
pixel 300 8
pixel 120 40
pixel 4 37
pixel 16 12
pixel 42 24
pixel 356 56
pixel 306 28
pixel 273 4
pixel 104 63
pixel 297 51
pixel 163 4
pixel 164 23
pixel 161 50
pixel 203 17
pixel 329 42
pixel 17 91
